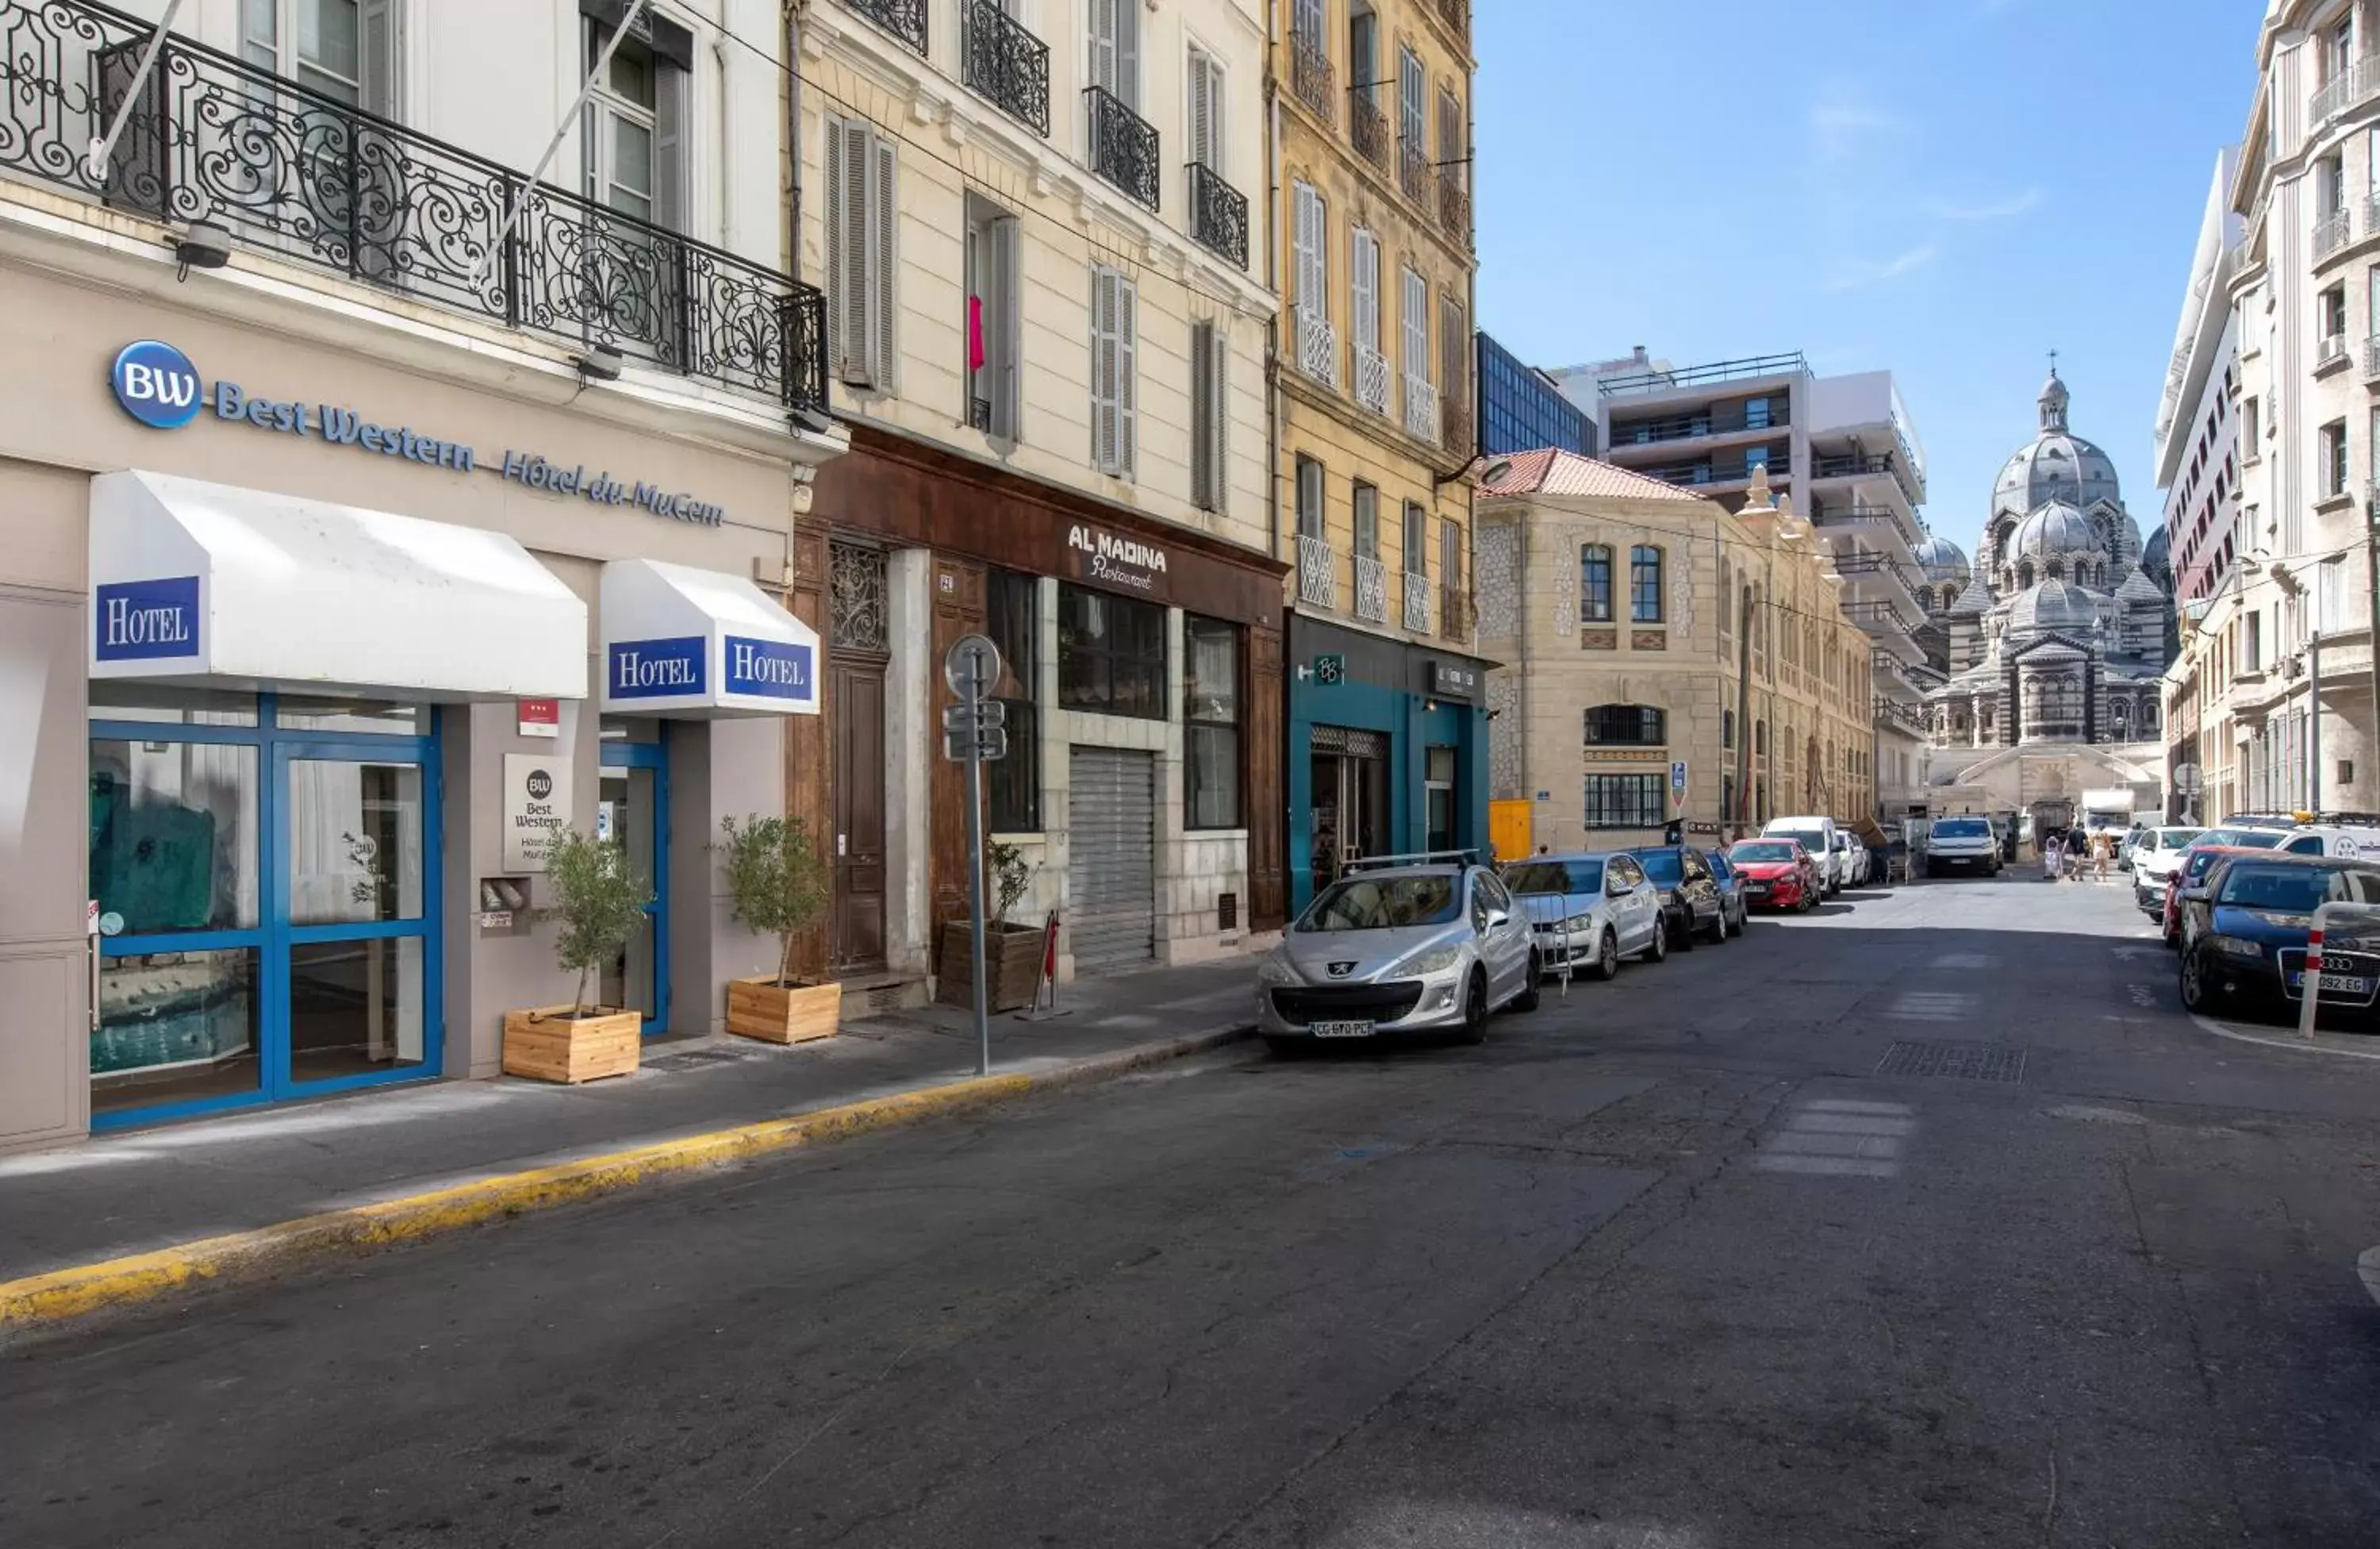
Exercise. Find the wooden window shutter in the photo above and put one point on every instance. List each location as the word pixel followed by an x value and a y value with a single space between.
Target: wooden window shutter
pixel 1205 83
pixel 381 40
pixel 858 277
pixel 1449 141
pixel 1365 281
pixel 1127 376
pixel 884 261
pixel 1006 338
pixel 1127 53
pixel 1416 320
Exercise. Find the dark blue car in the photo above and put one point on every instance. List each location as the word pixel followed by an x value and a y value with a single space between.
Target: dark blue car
pixel 1735 907
pixel 2246 946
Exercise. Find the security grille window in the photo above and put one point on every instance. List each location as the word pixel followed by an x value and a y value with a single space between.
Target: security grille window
pixel 1111 654
pixel 1416 539
pixel 1309 499
pixel 1115 371
pixel 1012 617
pixel 1626 725
pixel 1595 583
pixel 1211 713
pixel 1644 584
pixel 347 50
pixel 1210 414
pixel 861 261
pixel 1626 802
pixel 994 319
pixel 2334 459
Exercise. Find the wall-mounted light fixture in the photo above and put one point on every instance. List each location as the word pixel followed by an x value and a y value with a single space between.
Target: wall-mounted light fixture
pixel 600 364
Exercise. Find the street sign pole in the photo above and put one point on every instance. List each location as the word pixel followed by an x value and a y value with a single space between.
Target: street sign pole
pixel 975 732
pixel 975 895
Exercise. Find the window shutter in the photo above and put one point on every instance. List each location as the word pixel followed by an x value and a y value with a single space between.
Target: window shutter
pixel 1366 280
pixel 1450 139
pixel 382 28
pixel 1204 83
pixel 1218 379
pixel 1302 227
pixel 1367 521
pixel 1410 121
pixel 1451 340
pixel 1202 408
pixel 884 267
pixel 1104 415
pixel 670 85
pixel 1127 53
pixel 852 266
pixel 1104 27
pixel 838 244
pixel 1006 336
pixel 1127 376
pixel 1416 320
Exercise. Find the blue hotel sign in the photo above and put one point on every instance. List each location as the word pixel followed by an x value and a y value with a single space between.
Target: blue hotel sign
pixel 769 669
pixel 670 668
pixel 147 620
pixel 157 384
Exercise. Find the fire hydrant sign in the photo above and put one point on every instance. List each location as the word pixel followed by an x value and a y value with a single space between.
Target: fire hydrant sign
pixel 536 806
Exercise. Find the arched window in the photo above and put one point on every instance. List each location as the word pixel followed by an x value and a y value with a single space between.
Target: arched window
pixel 1626 725
pixel 2024 576
pixel 1595 583
pixel 1644 594
pixel 2149 717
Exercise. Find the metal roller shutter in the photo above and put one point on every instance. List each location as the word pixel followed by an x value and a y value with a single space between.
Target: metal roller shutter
pixel 1112 830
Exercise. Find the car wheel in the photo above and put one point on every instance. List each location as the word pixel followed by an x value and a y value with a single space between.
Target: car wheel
pixel 1682 934
pixel 2197 992
pixel 1718 926
pixel 1606 958
pixel 1474 1008
pixel 1659 949
pixel 1527 999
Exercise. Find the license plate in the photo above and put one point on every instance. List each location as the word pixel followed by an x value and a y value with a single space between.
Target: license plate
pixel 1755 887
pixel 2334 984
pixel 1341 1029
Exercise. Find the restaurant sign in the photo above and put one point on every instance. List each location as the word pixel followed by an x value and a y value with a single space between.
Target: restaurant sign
pixel 1101 555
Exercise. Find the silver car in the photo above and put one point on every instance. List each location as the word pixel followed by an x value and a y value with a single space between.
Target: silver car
pixel 1404 944
pixel 1589 911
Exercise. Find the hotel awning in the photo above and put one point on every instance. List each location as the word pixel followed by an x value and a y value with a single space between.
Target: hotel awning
pixel 209 584
pixel 691 643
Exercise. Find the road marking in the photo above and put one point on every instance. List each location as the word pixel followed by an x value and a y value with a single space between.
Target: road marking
pixel 2142 994
pixel 1966 961
pixel 2368 1266
pixel 1933 1006
pixel 1832 1138
pixel 1841 1105
pixel 2208 1024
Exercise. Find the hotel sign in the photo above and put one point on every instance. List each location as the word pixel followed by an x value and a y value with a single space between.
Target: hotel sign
pixel 146 620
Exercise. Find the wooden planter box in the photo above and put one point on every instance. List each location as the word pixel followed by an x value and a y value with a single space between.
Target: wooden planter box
pixel 1012 966
pixel 553 1044
pixel 776 1013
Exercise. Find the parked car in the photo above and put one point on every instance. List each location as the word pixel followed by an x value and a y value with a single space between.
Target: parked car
pixel 1730 891
pixel 1854 858
pixel 1778 873
pixel 1590 911
pixel 2155 852
pixel 2248 930
pixel 1690 900
pixel 1818 837
pixel 2353 842
pixel 1396 946
pixel 1962 844
pixel 2190 877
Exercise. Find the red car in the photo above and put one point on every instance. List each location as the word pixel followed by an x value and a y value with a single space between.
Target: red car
pixel 2196 862
pixel 1778 873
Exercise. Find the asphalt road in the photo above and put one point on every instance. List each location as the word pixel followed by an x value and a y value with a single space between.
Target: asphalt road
pixel 1926 1220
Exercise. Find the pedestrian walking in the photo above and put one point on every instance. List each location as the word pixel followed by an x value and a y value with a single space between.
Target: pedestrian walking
pixel 2051 856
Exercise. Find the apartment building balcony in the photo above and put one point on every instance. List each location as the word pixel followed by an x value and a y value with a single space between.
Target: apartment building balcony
pixel 304 178
pixel 1218 214
pixel 1417 603
pixel 1454 204
pixel 1891 677
pixel 1641 383
pixel 1875 523
pixel 1318 347
pixel 2351 87
pixel 1893 714
pixel 1123 146
pixel 1415 175
pixel 2333 232
pixel 1312 79
pixel 1367 127
pixel 1371 379
pixel 1371 590
pixel 1711 472
pixel 1421 407
pixel 1317 572
pixel 1003 62
pixel 1882 617
pixel 1725 419
pixel 906 19
pixel 1867 464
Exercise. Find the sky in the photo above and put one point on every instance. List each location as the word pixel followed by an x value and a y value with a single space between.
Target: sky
pixel 1947 189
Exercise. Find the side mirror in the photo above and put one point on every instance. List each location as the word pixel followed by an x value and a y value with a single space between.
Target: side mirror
pixel 1497 916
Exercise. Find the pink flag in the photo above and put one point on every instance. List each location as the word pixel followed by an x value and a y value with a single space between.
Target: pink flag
pixel 974 333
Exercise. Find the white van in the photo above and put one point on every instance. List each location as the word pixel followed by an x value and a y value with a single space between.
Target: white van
pixel 1818 837
pixel 2354 844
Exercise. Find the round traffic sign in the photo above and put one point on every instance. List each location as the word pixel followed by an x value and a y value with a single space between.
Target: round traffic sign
pixel 973 666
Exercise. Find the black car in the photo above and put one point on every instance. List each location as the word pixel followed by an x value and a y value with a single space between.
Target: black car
pixel 1690 904
pixel 2245 944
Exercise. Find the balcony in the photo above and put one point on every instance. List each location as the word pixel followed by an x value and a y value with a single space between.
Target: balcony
pixel 1371 379
pixel 1371 590
pixel 1415 173
pixel 1748 366
pixel 1860 465
pixel 1006 65
pixel 1421 407
pixel 1318 347
pixel 1123 145
pixel 2343 90
pixel 1218 214
pixel 1311 78
pixel 1317 572
pixel 1367 127
pixel 2333 232
pixel 1454 205
pixel 1727 419
pixel 906 19
pixel 1458 16
pixel 1416 602
pixel 307 180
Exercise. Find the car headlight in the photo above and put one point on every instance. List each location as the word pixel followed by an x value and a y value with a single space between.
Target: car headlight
pixel 2236 947
pixel 1273 971
pixel 1428 960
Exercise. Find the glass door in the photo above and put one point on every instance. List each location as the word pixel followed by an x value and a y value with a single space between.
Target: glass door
pixel 633 805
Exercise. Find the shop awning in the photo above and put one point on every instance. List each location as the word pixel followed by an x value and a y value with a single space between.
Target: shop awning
pixel 685 643
pixel 194 582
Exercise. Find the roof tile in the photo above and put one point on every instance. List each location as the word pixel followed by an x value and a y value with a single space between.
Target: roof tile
pixel 1552 471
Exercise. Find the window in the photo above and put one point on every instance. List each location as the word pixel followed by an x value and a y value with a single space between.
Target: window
pixel 1450 563
pixel 1012 619
pixel 861 264
pixel 348 50
pixel 1210 414
pixel 1438 803
pixel 635 141
pixel 2330 312
pixel 2249 414
pixel 1413 128
pixel 2252 646
pixel 1367 521
pixel 1364 320
pixel 1210 714
pixel 1644 584
pixel 1626 725
pixel 1414 319
pixel 1206 110
pixel 1755 456
pixel 1454 349
pixel 1726 728
pixel 1310 251
pixel 1309 499
pixel 994 319
pixel 2329 186
pixel 1115 369
pixel 1363 41
pixel 1110 654
pixel 1416 539
pixel 1625 800
pixel 1454 161
pixel 1594 584
pixel 1756 414
pixel 2334 459
pixel 1115 49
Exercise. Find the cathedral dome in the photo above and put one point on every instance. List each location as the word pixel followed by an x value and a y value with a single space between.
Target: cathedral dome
pixel 2056 464
pixel 2155 556
pixel 2054 529
pixel 2053 605
pixel 1941 559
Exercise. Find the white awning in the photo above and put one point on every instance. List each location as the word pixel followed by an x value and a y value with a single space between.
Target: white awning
pixel 694 643
pixel 194 582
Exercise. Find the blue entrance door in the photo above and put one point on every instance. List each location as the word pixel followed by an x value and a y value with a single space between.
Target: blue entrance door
pixel 634 813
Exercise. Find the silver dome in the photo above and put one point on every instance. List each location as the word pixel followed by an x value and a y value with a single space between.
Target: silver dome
pixel 2053 605
pixel 2055 528
pixel 1941 559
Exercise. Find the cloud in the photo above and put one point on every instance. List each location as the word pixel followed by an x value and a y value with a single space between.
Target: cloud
pixel 1841 125
pixel 1987 210
pixel 1861 273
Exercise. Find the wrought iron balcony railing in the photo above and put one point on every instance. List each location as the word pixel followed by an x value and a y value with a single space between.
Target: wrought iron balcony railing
pixel 1123 145
pixel 1318 347
pixel 2343 90
pixel 1421 407
pixel 1371 590
pixel 1218 214
pixel 1415 172
pixel 1417 603
pixel 1453 612
pixel 1371 378
pixel 1317 572
pixel 1312 78
pixel 1454 426
pixel 1367 127
pixel 2333 232
pixel 1458 16
pixel 1722 420
pixel 906 19
pixel 1455 206
pixel 1005 63
pixel 311 180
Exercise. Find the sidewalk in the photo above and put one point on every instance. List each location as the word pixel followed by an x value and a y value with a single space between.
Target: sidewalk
pixel 149 1191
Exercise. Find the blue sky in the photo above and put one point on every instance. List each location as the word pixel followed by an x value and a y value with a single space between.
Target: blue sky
pixel 1947 188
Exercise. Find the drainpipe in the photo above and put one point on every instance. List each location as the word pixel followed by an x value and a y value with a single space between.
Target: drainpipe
pixel 794 134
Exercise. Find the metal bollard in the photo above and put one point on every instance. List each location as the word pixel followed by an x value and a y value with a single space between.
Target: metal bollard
pixel 2310 985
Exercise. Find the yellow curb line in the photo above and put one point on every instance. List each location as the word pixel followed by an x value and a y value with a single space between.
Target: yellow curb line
pixel 71 1293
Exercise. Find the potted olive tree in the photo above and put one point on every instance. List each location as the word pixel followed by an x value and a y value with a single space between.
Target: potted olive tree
pixel 778 887
pixel 600 903
pixel 1011 953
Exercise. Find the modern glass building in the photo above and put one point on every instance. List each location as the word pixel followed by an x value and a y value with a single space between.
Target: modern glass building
pixel 1521 409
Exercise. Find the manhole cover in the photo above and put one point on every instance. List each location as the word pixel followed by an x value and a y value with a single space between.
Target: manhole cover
pixel 1963 1062
pixel 687 1059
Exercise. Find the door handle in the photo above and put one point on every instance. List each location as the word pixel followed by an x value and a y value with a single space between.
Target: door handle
pixel 842 845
